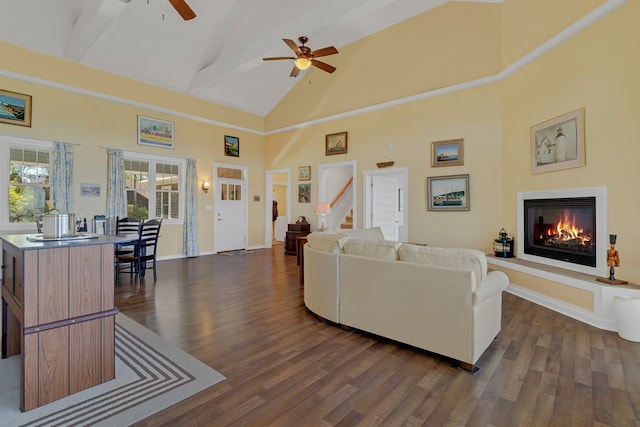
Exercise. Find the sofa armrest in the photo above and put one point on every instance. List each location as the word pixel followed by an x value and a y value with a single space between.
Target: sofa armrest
pixel 493 284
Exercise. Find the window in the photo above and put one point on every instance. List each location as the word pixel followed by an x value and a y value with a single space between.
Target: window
pixel 25 191
pixel 28 183
pixel 154 184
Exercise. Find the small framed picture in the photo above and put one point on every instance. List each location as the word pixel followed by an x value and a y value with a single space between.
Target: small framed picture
pixel 89 190
pixel 447 153
pixel 558 143
pixel 448 193
pixel 304 193
pixel 336 143
pixel 304 173
pixel 15 108
pixel 231 146
pixel 155 132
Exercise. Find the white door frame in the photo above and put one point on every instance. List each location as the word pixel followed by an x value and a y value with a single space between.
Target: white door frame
pixel 403 173
pixel 268 202
pixel 322 190
pixel 245 198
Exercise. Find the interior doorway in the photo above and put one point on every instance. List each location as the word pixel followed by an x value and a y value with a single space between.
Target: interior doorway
pixel 337 185
pixel 230 226
pixel 385 202
pixel 277 189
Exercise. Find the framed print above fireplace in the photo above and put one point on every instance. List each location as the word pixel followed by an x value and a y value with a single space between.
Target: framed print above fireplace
pixel 558 143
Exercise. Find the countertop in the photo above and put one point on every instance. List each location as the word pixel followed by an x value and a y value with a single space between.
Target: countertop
pixel 21 242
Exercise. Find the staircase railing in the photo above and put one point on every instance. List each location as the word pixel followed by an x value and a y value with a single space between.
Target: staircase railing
pixel 342 209
pixel 344 189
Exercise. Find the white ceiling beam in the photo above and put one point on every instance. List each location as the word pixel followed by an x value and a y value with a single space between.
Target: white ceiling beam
pixel 93 21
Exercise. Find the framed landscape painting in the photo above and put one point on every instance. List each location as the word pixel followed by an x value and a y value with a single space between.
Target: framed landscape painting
pixel 447 153
pixel 15 108
pixel 231 146
pixel 448 193
pixel 336 143
pixel 304 173
pixel 155 132
pixel 558 143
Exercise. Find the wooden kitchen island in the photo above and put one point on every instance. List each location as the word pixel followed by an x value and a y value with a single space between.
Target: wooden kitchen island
pixel 58 314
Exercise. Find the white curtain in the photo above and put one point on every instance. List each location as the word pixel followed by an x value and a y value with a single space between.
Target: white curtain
pixel 62 177
pixel 190 233
pixel 116 186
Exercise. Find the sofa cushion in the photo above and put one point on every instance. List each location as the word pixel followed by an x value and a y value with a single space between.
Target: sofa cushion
pixel 467 259
pixel 384 249
pixel 373 233
pixel 326 242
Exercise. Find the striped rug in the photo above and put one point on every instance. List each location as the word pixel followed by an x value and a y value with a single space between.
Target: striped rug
pixel 151 374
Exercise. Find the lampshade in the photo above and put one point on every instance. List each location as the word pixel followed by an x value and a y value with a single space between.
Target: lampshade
pixel 322 209
pixel 303 63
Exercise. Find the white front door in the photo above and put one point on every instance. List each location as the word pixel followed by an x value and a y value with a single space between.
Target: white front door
pixel 230 215
pixel 384 204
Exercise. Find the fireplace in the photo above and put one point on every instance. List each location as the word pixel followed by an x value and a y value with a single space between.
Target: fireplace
pixel 564 228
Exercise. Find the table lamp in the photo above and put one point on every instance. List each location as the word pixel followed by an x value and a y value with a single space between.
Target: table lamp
pixel 322 209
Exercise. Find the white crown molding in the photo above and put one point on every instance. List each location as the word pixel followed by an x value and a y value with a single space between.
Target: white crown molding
pixel 592 17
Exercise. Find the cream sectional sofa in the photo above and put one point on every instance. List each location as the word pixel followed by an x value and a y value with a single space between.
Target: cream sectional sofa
pixel 438 299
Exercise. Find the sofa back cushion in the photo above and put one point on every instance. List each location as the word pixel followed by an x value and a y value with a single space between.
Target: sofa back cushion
pixel 384 249
pixel 465 259
pixel 326 242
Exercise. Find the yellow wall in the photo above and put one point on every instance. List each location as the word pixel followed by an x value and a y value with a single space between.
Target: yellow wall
pixel 457 43
pixel 94 123
pixel 454 43
pixel 596 69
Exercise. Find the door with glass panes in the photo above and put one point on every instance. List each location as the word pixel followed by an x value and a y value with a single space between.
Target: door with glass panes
pixel 230 209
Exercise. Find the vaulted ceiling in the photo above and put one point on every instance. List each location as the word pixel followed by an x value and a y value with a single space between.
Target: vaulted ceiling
pixel 217 56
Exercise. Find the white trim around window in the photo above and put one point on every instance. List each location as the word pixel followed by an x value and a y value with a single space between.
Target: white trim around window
pixel 153 159
pixel 6 143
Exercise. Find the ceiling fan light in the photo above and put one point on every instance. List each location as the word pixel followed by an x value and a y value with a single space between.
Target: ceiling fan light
pixel 303 63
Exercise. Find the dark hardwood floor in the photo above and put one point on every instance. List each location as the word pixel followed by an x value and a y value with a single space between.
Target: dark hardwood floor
pixel 244 316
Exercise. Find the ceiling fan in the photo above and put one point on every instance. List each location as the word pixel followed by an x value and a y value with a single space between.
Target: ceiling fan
pixel 305 57
pixel 183 9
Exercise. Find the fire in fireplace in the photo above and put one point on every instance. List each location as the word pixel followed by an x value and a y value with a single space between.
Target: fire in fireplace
pixel 562 229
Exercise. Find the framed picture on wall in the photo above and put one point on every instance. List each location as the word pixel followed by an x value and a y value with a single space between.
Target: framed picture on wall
pixel 15 108
pixel 231 146
pixel 304 193
pixel 155 132
pixel 448 193
pixel 336 143
pixel 447 153
pixel 304 173
pixel 558 143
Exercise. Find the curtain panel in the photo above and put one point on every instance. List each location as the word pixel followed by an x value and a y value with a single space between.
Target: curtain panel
pixel 62 177
pixel 116 186
pixel 190 230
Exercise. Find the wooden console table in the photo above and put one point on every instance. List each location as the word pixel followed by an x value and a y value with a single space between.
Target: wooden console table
pixel 294 231
pixel 58 315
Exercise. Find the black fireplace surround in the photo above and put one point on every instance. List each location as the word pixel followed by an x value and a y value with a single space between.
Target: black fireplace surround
pixel 562 229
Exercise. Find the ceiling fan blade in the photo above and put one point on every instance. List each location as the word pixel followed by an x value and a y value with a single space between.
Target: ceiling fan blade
pixel 323 66
pixel 293 46
pixel 277 58
pixel 325 51
pixel 183 9
pixel 294 72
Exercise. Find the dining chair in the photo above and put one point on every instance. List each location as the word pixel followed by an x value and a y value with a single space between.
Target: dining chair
pixel 147 247
pixel 125 253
